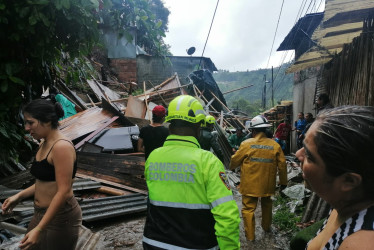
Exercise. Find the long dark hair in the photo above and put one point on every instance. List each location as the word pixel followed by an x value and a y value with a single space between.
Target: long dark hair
pixel 45 110
pixel 345 142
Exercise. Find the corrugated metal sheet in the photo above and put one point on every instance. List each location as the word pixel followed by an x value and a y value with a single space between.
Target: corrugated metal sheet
pixel 297 38
pixel 12 184
pixel 85 184
pixel 342 21
pixel 92 209
pixel 84 122
pixel 19 180
pixel 87 240
pixel 7 170
pixel 108 207
pixel 7 192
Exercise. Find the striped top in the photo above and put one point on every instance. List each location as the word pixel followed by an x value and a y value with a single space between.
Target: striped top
pixel 364 220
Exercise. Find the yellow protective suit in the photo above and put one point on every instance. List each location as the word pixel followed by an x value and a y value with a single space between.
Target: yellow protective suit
pixel 260 159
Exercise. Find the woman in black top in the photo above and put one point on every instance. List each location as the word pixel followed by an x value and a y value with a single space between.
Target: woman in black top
pixel 57 217
pixel 153 136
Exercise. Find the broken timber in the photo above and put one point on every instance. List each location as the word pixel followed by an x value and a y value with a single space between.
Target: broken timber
pixel 123 169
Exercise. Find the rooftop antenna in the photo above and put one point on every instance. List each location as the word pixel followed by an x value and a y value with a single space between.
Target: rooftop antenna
pixel 191 50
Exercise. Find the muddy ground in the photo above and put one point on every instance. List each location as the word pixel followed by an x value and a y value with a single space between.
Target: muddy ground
pixel 127 232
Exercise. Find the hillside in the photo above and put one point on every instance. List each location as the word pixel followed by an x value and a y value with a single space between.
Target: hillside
pixel 249 99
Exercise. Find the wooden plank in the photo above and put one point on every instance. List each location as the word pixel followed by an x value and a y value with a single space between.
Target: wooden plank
pixel 129 165
pixel 110 183
pixel 112 191
pixel 130 181
pixel 135 107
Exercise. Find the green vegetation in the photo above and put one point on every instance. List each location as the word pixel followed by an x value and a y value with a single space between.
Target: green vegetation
pixel 283 218
pixel 249 100
pixel 46 41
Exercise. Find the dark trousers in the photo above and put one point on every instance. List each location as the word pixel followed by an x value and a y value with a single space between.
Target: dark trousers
pixel 299 142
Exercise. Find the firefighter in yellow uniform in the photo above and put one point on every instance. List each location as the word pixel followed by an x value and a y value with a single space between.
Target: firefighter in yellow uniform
pixel 190 204
pixel 260 159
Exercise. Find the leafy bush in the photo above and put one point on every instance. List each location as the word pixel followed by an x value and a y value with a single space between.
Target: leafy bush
pixel 283 218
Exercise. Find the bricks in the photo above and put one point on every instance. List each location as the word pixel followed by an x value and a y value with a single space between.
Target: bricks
pixel 125 69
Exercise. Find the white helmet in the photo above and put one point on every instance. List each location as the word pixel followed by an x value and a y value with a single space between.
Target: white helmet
pixel 258 122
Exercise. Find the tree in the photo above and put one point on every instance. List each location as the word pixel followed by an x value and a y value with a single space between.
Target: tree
pixel 38 37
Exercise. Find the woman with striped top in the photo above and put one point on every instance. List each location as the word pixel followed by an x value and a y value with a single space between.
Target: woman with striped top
pixel 337 163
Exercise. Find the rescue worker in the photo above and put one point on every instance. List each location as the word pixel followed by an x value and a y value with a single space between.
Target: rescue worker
pixel 236 139
pixel 190 204
pixel 260 159
pixel 207 139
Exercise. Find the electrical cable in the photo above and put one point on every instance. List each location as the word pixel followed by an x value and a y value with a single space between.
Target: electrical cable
pixel 275 34
pixel 313 7
pixel 206 41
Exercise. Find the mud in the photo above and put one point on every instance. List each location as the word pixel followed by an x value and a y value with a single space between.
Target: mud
pixel 127 232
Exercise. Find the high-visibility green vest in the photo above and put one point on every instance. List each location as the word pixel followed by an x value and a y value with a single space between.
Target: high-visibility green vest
pixel 190 202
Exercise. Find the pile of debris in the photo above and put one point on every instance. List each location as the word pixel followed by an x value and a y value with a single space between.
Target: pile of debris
pixel 110 172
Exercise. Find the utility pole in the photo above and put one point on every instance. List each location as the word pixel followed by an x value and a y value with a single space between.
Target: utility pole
pixel 272 86
pixel 264 94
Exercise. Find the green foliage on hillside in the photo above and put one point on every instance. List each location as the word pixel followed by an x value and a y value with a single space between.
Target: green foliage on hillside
pixel 249 100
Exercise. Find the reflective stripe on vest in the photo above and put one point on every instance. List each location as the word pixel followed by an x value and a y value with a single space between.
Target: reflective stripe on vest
pixel 192 206
pixel 168 246
pixel 262 160
pixel 262 147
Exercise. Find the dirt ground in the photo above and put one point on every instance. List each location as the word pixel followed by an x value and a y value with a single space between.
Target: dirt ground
pixel 127 232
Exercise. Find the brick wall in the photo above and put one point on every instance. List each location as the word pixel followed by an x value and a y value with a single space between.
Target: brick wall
pixel 125 69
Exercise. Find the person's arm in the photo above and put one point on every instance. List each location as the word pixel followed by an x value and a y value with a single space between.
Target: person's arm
pixel 238 157
pixel 275 132
pixel 10 203
pixel 63 156
pixel 224 208
pixel 140 145
pixel 231 141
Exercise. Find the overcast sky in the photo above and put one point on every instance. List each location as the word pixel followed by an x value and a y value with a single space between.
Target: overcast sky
pixel 242 33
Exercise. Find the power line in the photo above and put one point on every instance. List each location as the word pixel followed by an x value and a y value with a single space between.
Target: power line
pixel 211 24
pixel 275 34
pixel 314 5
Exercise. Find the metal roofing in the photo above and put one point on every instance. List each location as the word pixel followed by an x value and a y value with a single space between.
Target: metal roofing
pixel 19 180
pixel 92 209
pixel 113 139
pixel 298 36
pixel 7 169
pixel 342 21
pixel 102 208
pixel 86 240
pixel 84 122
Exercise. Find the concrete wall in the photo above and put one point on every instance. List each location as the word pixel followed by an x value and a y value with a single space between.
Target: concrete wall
pixel 303 96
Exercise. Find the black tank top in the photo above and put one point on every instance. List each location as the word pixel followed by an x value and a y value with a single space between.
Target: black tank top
pixel 44 171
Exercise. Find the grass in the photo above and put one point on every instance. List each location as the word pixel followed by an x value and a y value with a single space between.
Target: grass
pixel 283 218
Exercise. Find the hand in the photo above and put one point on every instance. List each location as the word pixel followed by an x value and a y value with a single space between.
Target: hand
pixel 9 204
pixel 30 239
